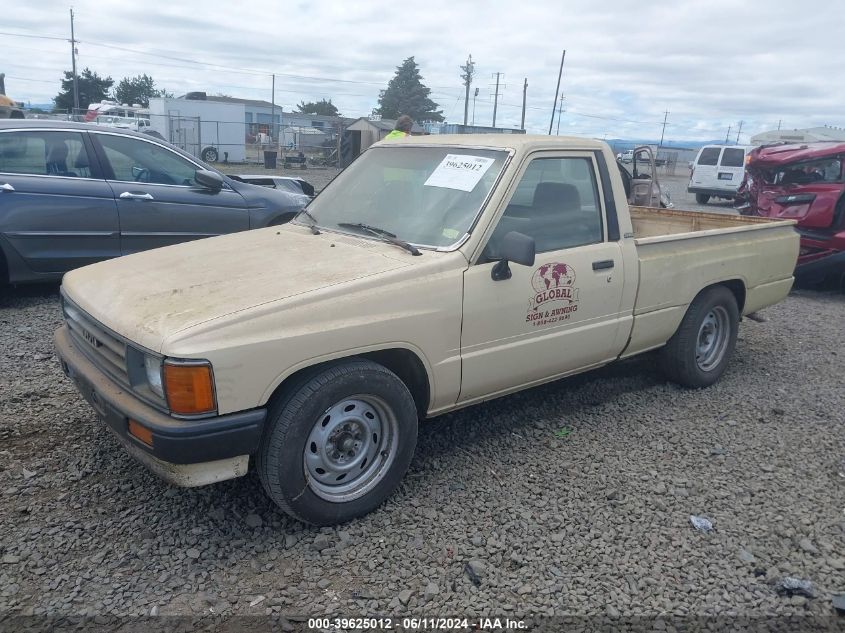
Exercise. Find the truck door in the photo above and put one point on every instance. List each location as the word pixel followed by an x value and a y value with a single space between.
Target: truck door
pixel 560 315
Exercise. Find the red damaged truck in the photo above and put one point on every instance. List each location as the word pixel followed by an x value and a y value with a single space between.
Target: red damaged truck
pixel 805 183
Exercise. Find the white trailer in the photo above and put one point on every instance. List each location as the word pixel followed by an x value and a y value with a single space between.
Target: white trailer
pixel 209 130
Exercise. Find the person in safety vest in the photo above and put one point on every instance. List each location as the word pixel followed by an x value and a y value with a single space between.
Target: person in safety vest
pixel 402 128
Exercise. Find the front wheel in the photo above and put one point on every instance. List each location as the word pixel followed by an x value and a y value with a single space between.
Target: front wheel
pixel 702 198
pixel 698 353
pixel 338 443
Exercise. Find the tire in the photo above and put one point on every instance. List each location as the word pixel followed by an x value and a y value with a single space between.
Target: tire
pixel 356 422
pixel 4 270
pixel 702 198
pixel 210 155
pixel 699 352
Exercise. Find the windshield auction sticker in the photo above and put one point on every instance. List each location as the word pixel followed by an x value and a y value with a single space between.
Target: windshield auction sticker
pixel 459 171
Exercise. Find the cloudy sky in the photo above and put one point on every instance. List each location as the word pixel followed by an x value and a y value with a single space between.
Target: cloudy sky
pixel 710 64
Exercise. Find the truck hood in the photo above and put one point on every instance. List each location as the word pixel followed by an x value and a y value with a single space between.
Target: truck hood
pixel 778 155
pixel 149 296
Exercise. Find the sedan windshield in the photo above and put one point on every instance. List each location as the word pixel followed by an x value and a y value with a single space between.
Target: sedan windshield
pixel 429 196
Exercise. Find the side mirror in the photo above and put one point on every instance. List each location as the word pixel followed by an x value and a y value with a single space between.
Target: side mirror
pixel 517 248
pixel 209 179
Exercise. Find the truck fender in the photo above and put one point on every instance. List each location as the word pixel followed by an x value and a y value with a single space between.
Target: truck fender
pixel 417 375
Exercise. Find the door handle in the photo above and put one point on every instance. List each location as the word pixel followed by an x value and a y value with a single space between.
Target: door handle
pixel 128 195
pixel 603 264
pixel 7 187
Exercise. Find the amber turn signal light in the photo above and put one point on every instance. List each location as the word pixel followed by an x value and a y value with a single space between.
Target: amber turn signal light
pixel 189 388
pixel 141 433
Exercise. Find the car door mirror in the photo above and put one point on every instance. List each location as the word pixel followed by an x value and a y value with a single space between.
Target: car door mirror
pixel 517 248
pixel 209 179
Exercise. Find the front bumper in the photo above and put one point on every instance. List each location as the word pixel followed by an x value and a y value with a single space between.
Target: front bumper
pixel 713 193
pixel 185 453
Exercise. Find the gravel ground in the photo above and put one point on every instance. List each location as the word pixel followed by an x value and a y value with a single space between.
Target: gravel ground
pixel 572 498
pixel 677 187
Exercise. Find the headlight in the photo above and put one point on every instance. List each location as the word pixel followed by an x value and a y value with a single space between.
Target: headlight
pixel 152 366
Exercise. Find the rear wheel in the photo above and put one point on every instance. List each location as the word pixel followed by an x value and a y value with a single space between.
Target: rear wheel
pixel 210 155
pixel 338 442
pixel 702 198
pixel 699 352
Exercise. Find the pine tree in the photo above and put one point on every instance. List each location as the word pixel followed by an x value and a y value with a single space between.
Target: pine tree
pixel 322 106
pixel 406 94
pixel 139 89
pixel 92 89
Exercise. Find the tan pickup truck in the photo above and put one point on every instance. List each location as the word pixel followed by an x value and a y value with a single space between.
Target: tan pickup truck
pixel 434 273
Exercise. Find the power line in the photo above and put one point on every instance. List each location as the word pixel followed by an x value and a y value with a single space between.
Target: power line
pixel 39 81
pixel 35 37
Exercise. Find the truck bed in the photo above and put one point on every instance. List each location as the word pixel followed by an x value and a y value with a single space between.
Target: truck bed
pixel 681 252
pixel 658 225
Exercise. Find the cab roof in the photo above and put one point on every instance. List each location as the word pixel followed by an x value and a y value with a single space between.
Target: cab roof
pixel 521 142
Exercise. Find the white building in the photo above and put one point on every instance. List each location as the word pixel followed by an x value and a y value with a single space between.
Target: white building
pixel 806 135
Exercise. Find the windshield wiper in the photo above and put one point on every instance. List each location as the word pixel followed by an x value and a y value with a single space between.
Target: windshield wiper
pixel 313 225
pixel 387 236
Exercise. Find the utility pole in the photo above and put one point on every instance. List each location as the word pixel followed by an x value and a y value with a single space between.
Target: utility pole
pixel 496 98
pixel 467 77
pixel 557 90
pixel 728 134
pixel 779 122
pixel 665 116
pixel 474 97
pixel 73 65
pixel 559 111
pixel 524 91
pixel 738 132
pixel 273 112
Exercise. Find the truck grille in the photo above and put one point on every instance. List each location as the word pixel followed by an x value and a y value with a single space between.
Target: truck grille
pixel 103 348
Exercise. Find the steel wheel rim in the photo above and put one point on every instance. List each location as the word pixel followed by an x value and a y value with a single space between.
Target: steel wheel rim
pixel 350 448
pixel 713 337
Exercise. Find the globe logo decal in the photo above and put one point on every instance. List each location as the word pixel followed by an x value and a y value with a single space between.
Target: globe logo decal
pixel 551 276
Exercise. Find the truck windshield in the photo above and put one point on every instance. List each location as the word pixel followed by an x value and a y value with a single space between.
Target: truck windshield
pixel 428 196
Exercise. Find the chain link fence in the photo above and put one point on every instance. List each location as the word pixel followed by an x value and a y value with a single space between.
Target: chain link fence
pixel 229 141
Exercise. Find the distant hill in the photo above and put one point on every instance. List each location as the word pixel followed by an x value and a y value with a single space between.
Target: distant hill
pixel 630 144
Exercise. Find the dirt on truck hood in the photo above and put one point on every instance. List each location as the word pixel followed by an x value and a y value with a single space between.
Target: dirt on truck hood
pixel 149 296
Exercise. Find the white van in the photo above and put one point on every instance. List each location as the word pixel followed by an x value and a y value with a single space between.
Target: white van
pixel 717 172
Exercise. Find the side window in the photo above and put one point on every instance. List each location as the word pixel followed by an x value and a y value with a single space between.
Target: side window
pixel 733 157
pixel 824 170
pixel 709 156
pixel 557 203
pixel 136 160
pixel 44 153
